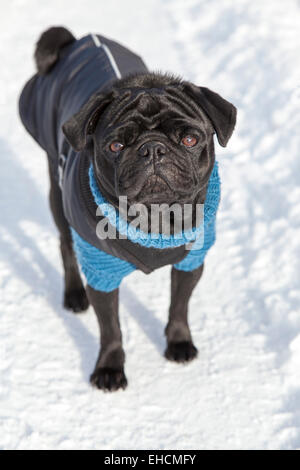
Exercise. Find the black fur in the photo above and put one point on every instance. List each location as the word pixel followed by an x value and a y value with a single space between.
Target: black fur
pixel 211 113
pixel 48 47
pixel 221 113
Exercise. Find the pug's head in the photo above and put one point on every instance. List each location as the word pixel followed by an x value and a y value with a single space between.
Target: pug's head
pixel 152 138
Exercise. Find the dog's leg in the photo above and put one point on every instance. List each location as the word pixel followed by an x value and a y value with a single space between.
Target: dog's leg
pixel 180 347
pixel 75 298
pixel 109 369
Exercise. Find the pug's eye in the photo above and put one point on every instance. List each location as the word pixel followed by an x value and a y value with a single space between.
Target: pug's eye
pixel 116 146
pixel 189 141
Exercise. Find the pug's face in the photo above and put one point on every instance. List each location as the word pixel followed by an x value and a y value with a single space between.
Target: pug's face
pixel 153 144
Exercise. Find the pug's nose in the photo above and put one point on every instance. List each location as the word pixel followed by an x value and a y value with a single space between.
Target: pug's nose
pixel 152 149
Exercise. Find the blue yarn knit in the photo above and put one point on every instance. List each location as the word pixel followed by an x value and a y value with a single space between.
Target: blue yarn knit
pixel 105 272
pixel 136 235
pixel 200 247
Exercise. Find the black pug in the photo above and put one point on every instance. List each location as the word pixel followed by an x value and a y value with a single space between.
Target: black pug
pixel 111 128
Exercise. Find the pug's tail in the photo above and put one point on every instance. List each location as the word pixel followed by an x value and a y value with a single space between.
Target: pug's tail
pixel 48 47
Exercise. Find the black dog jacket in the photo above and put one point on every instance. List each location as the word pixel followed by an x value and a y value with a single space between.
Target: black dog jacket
pixel 85 67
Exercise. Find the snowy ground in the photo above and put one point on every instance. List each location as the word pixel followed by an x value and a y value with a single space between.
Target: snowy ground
pixel 244 390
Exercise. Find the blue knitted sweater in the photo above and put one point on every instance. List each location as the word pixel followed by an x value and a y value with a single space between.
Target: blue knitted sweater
pixel 105 272
pixel 85 67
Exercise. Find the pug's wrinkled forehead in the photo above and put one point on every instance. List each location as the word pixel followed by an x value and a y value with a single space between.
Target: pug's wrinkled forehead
pixel 152 99
pixel 154 107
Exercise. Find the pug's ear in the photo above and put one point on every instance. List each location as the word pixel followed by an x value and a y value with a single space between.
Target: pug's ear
pixel 84 122
pixel 221 113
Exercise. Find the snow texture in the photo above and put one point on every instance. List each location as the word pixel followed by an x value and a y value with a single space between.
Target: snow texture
pixel 243 392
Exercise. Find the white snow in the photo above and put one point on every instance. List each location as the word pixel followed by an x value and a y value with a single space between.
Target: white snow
pixel 243 392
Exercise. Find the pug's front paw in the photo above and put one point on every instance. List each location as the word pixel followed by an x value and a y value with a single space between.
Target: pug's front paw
pixel 108 380
pixel 183 351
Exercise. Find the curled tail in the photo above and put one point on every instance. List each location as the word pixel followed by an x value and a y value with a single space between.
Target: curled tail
pixel 48 46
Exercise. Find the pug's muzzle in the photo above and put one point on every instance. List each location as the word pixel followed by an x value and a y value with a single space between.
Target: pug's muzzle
pixel 157 173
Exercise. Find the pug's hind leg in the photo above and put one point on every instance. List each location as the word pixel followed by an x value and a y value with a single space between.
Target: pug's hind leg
pixel 109 370
pixel 180 347
pixel 75 298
